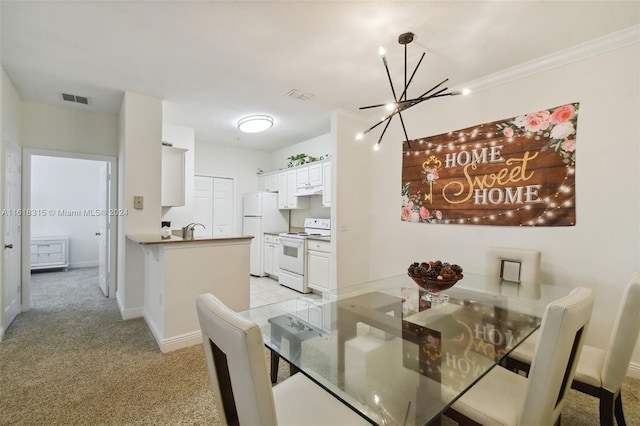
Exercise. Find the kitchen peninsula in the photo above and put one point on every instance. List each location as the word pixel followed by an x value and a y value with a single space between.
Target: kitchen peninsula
pixel 176 270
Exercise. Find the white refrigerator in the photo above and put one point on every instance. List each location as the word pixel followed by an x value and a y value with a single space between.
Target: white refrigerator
pixel 260 215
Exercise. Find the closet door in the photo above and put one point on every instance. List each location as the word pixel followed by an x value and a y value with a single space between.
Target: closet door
pixel 214 207
pixel 204 206
pixel 222 207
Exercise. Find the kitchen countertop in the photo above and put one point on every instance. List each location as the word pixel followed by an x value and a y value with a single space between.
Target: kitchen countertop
pixel 157 239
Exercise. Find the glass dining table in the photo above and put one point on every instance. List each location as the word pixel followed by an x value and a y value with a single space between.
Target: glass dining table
pixel 393 354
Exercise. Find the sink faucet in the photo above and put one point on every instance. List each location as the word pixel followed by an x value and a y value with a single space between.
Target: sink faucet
pixel 189 228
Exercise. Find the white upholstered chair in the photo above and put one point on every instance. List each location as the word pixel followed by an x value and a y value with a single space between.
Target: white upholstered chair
pixel 237 368
pixel 503 397
pixel 600 372
pixel 525 262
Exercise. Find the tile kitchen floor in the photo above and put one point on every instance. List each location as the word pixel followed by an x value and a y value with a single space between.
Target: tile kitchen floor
pixel 264 290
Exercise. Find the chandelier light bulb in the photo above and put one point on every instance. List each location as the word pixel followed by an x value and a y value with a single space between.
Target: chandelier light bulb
pixel 466 92
pixel 376 147
pixel 359 136
pixel 390 106
pixel 381 51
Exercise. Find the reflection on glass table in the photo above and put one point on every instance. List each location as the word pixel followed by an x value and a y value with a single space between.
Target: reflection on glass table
pixel 392 355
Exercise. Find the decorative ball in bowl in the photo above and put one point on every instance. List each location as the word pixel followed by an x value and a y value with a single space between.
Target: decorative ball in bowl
pixel 435 275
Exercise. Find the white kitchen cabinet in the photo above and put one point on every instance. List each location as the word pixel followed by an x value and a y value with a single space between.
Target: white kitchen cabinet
pixel 287 190
pixel 315 174
pixel 263 183
pixel 319 265
pixel 309 176
pixel 272 182
pixel 272 255
pixel 268 182
pixel 49 252
pixel 173 170
pixel 326 184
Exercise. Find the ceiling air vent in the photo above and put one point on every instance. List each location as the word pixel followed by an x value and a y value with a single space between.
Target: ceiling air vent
pixel 300 95
pixel 74 98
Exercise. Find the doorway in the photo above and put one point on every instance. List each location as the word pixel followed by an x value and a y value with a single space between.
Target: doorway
pixel 71 197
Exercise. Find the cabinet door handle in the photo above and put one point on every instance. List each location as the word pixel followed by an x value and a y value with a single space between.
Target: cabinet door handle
pixel 8 246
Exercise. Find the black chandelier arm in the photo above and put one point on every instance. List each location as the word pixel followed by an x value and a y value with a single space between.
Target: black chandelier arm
pixel 404 129
pixel 433 88
pixel 386 67
pixel 406 86
pixel 388 119
pixel 377 124
pixel 412 102
pixel 404 93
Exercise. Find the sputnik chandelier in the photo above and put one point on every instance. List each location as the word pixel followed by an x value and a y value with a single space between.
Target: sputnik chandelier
pixel 401 103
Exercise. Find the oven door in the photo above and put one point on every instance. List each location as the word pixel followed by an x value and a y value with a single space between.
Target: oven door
pixel 292 254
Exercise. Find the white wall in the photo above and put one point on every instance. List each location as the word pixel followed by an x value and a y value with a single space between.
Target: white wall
pixel 55 128
pixel 139 173
pixel 601 252
pixel 228 162
pixel 71 185
pixel 320 146
pixel 182 137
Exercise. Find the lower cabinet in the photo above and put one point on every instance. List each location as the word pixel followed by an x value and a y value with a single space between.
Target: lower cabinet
pixel 272 255
pixel 319 265
pixel 49 252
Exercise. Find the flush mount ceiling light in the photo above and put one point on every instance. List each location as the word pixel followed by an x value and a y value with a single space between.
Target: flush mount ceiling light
pixel 401 103
pixel 255 123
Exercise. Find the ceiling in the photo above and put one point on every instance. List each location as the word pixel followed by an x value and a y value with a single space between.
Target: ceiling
pixel 213 62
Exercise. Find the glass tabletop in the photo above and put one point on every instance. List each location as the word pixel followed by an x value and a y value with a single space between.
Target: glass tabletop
pixel 391 353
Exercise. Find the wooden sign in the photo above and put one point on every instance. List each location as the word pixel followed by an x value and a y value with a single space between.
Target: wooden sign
pixel 514 172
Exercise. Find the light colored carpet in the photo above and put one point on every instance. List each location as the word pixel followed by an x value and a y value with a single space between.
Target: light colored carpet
pixel 72 361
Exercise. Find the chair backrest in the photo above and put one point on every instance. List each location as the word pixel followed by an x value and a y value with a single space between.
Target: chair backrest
pixel 529 261
pixel 623 338
pixel 562 332
pixel 237 367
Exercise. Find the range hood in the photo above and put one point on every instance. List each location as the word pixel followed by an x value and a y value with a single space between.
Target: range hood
pixel 312 190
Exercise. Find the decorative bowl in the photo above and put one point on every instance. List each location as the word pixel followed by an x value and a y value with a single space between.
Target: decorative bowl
pixel 435 285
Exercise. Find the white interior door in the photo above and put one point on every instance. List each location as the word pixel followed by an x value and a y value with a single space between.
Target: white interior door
pixel 12 237
pixel 222 207
pixel 103 229
pixel 204 206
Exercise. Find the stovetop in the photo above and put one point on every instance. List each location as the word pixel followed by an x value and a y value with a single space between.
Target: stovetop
pixel 312 228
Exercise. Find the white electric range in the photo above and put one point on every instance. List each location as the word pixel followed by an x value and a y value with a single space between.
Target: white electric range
pixel 293 249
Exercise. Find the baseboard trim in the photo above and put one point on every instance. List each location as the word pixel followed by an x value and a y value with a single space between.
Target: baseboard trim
pixel 86 264
pixel 1 334
pixel 175 342
pixel 634 370
pixel 181 341
pixel 128 314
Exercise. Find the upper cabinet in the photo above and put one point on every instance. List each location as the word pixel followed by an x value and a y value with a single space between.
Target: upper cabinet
pixel 173 169
pixel 309 176
pixel 268 182
pixel 287 188
pixel 295 184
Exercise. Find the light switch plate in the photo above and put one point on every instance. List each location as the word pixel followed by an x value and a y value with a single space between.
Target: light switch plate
pixel 138 202
pixel 511 270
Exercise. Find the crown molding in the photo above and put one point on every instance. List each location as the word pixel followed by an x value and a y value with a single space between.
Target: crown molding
pixel 612 41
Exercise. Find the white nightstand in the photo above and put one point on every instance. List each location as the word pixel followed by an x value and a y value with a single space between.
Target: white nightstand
pixel 49 252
